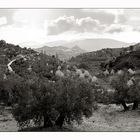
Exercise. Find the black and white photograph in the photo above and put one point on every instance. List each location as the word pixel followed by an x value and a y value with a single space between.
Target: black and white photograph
pixel 69 69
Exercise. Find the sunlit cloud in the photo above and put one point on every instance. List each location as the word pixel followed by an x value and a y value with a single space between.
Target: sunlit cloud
pixel 47 25
pixel 65 24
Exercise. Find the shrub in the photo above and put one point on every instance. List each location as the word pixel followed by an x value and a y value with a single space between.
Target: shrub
pixel 50 103
pixel 83 66
pixel 119 83
pixel 8 89
pixel 4 93
pixel 134 93
pixel 75 98
pixel 35 102
pixel 126 93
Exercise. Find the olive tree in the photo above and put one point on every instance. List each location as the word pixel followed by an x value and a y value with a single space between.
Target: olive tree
pixel 134 93
pixel 51 103
pixel 36 101
pixel 75 99
pixel 119 83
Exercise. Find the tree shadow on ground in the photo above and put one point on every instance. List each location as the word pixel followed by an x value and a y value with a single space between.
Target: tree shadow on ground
pixel 49 129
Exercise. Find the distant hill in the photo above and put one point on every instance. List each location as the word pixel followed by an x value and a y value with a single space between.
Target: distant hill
pixel 67 49
pixel 96 61
pixel 63 53
pixel 130 59
pixel 31 44
pixel 90 44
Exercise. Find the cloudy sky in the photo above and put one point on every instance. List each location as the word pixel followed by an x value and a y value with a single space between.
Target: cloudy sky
pixel 48 25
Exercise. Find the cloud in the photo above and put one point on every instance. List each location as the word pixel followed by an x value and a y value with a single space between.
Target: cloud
pixel 28 24
pixel 8 14
pixel 105 16
pixel 88 24
pixel 64 24
pixel 130 17
pixel 30 17
pixel 81 25
pixel 61 25
pixel 115 28
pixel 14 34
pixel 64 20
pixel 3 21
pixel 118 28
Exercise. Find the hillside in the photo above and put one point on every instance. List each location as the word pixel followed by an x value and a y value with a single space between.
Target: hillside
pixel 63 53
pixel 24 62
pixel 127 60
pixel 10 51
pixel 96 61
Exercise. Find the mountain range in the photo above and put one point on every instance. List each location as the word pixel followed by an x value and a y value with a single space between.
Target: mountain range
pixel 85 44
pixel 67 49
pixel 62 52
pixel 96 44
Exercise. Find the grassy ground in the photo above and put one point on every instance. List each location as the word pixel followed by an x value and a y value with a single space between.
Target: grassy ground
pixel 106 118
pixel 7 122
pixel 111 118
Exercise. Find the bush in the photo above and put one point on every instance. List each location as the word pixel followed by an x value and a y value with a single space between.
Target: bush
pixel 125 93
pixel 8 89
pixel 75 99
pixel 50 103
pixel 35 102
pixel 119 83
pixel 134 93
pixel 83 66
pixel 4 92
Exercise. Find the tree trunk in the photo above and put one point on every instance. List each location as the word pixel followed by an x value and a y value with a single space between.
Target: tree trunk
pixel 47 122
pixel 124 105
pixel 60 121
pixel 135 105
